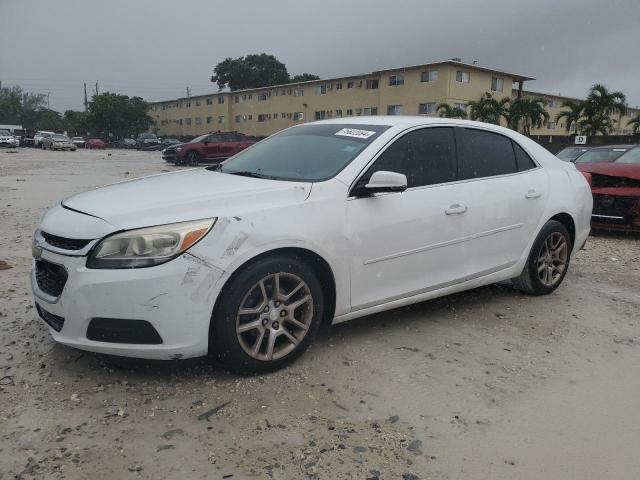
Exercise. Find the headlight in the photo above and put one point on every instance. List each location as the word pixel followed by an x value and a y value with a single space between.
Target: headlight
pixel 178 149
pixel 146 247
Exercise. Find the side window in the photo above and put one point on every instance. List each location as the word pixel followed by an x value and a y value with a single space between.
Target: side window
pixel 523 160
pixel 486 154
pixel 426 156
pixel 214 139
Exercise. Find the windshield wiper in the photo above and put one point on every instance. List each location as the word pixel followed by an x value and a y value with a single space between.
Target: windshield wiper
pixel 246 173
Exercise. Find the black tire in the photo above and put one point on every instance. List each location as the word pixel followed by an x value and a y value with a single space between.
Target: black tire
pixel 529 280
pixel 192 158
pixel 224 342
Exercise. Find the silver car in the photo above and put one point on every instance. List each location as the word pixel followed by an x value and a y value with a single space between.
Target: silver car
pixel 58 141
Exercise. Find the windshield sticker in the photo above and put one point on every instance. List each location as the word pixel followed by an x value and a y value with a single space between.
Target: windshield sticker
pixel 354 132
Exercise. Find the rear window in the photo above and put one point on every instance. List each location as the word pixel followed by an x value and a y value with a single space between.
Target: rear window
pixel 486 154
pixel 632 156
pixel 596 156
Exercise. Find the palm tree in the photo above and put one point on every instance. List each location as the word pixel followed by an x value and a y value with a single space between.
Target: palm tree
pixel 488 109
pixel 635 124
pixel 572 115
pixel 599 106
pixel 527 113
pixel 447 111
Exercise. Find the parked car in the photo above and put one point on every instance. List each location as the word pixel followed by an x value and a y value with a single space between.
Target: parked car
pixel 170 142
pixel 79 142
pixel 602 154
pixel 58 141
pixel 95 143
pixel 569 154
pixel 616 191
pixel 329 220
pixel 37 138
pixel 128 143
pixel 7 139
pixel 147 140
pixel 211 147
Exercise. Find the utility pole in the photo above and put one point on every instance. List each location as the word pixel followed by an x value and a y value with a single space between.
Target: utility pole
pixel 188 92
pixel 48 105
pixel 96 87
pixel 85 96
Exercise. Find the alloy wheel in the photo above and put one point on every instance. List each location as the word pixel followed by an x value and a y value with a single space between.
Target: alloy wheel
pixel 274 316
pixel 552 259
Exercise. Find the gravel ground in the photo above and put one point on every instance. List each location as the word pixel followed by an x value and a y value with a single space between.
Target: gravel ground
pixel 484 384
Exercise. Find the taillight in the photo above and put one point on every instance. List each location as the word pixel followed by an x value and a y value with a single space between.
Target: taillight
pixel 588 177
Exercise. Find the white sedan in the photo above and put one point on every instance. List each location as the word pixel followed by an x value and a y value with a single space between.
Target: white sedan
pixel 326 221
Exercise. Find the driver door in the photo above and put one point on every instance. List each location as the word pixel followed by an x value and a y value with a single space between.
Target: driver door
pixel 411 242
pixel 211 146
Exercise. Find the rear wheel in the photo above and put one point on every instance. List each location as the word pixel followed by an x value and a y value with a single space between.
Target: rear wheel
pixel 548 261
pixel 267 315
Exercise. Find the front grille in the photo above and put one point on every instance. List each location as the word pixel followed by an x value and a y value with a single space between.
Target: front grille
pixel 50 277
pixel 599 180
pixel 65 243
pixel 120 330
pixel 54 321
pixel 614 205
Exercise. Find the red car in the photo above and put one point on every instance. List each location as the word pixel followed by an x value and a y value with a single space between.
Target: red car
pixel 616 191
pixel 95 143
pixel 211 147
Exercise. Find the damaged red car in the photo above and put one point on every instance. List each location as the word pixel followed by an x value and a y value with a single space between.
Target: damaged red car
pixel 616 191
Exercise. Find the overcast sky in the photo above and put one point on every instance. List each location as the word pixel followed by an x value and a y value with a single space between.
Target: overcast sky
pixel 155 49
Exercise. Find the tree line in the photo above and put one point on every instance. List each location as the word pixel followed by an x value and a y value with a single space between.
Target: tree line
pixel 591 116
pixel 107 115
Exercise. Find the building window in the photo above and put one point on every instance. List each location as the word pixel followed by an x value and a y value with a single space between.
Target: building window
pixel 238 119
pixel 283 115
pixel 339 86
pixel 496 84
pixel 197 103
pixel 198 120
pixel 461 106
pixel 220 100
pixel 209 119
pixel 396 80
pixel 321 89
pixel 320 115
pixel 220 118
pixel 180 121
pixel 551 125
pixel 188 105
pixel 262 117
pixel 552 103
pixel 298 92
pixel 298 116
pixel 262 97
pixel 187 121
pixel 394 110
pixel 350 84
pixel 209 101
pixel 372 84
pixel 338 113
pixel 370 111
pixel 349 112
pixel 429 76
pixel 427 108
pixel 462 76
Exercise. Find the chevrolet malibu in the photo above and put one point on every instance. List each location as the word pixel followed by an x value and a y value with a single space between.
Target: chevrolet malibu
pixel 322 222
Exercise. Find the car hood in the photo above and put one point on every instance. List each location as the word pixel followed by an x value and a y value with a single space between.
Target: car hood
pixel 627 170
pixel 184 195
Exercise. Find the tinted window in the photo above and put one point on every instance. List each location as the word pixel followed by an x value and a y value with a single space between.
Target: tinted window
pixel 523 160
pixel 596 156
pixel 632 156
pixel 425 156
pixel 486 154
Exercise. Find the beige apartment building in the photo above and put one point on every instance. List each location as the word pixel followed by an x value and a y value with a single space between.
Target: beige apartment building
pixel 412 90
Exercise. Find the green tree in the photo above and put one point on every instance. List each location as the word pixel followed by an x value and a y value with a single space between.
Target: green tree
pixel 527 113
pixel 600 105
pixel 304 77
pixel 634 123
pixel 10 105
pixel 251 71
pixel 489 109
pixel 447 111
pixel 571 116
pixel 110 114
pixel 76 122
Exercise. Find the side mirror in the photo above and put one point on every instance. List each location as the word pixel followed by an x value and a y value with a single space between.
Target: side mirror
pixel 383 181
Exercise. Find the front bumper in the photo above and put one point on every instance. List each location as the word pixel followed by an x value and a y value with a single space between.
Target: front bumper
pixel 176 298
pixel 616 212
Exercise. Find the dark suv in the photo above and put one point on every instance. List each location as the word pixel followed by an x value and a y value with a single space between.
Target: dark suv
pixel 209 147
pixel 147 140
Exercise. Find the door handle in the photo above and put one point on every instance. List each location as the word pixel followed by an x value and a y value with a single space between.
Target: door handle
pixel 456 209
pixel 533 194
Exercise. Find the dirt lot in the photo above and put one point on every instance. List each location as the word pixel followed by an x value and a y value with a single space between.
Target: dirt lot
pixel 488 384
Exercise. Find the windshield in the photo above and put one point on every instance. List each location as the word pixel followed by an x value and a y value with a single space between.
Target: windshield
pixel 632 156
pixel 60 137
pixel 4 132
pixel 199 139
pixel 147 136
pixel 571 153
pixel 77 138
pixel 307 153
pixel 595 156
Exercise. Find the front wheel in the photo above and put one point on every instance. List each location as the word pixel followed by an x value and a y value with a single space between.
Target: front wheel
pixel 267 315
pixel 193 158
pixel 548 261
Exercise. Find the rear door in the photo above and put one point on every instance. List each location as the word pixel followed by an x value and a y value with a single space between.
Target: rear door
pixel 508 192
pixel 411 242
